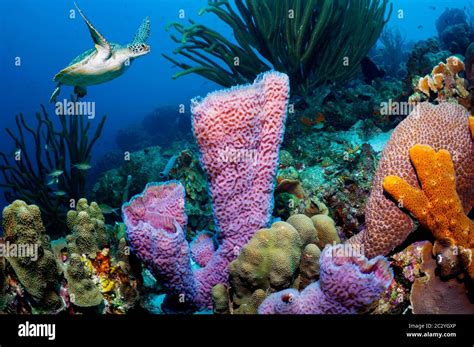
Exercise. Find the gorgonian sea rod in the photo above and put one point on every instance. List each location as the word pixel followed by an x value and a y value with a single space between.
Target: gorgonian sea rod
pixel 239 132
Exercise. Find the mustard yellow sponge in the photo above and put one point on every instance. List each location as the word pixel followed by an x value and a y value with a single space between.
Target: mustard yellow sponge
pixel 437 205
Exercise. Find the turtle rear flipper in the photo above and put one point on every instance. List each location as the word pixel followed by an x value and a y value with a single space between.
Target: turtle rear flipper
pixel 80 91
pixel 55 94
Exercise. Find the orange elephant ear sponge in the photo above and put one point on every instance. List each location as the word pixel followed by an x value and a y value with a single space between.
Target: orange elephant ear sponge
pixel 437 205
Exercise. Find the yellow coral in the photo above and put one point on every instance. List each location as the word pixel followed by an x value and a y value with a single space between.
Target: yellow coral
pixel 455 65
pixel 423 85
pixel 437 205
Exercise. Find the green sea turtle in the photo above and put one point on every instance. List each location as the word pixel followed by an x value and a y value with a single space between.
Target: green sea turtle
pixel 104 62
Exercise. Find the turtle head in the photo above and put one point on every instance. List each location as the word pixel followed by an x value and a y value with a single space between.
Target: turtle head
pixel 138 49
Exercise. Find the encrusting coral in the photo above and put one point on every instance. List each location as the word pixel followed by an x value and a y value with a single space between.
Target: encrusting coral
pixel 348 284
pixel 444 126
pixel 239 132
pixel 437 207
pixel 23 227
pixel 88 229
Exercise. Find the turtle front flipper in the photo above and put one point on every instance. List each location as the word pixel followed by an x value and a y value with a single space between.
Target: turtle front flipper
pixel 101 44
pixel 143 32
pixel 55 94
pixel 80 91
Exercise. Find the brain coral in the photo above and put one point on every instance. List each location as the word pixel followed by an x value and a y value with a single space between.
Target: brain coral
pixel 22 225
pixel 443 126
pixel 269 261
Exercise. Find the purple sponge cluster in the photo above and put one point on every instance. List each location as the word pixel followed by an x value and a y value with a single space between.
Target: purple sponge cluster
pixel 348 283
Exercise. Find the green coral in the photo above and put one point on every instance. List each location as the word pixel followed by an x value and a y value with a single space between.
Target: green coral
pixel 37 273
pixel 88 229
pixel 308 40
pixel 83 292
pixel 269 261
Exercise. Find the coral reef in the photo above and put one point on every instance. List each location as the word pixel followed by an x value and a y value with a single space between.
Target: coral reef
pixel 392 54
pixel 239 132
pixel 348 284
pixel 269 261
pixel 37 270
pixel 306 229
pixel 88 235
pixel 437 206
pixel 444 126
pixel 445 82
pixel 309 266
pixel 424 55
pixel 47 174
pixel 454 32
pixel 432 295
pixel 302 46
pixel 326 230
pixel 81 288
pixel 137 136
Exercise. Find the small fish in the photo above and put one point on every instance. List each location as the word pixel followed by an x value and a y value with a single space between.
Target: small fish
pixel 420 26
pixel 54 180
pixel 56 173
pixel 106 209
pixel 82 166
pixel 59 193
pixel 432 8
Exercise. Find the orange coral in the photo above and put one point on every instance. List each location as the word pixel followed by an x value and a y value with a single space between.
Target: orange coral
pixel 471 126
pixel 437 205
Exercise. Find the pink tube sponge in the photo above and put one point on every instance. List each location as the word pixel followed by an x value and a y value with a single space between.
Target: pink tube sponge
pixel 239 132
pixel 348 283
pixel 155 220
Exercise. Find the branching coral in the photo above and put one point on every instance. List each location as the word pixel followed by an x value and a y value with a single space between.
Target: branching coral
pixel 46 175
pixel 308 40
pixel 443 126
pixel 348 284
pixel 437 206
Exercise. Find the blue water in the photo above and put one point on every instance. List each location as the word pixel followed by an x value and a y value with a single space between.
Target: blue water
pixel 46 39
